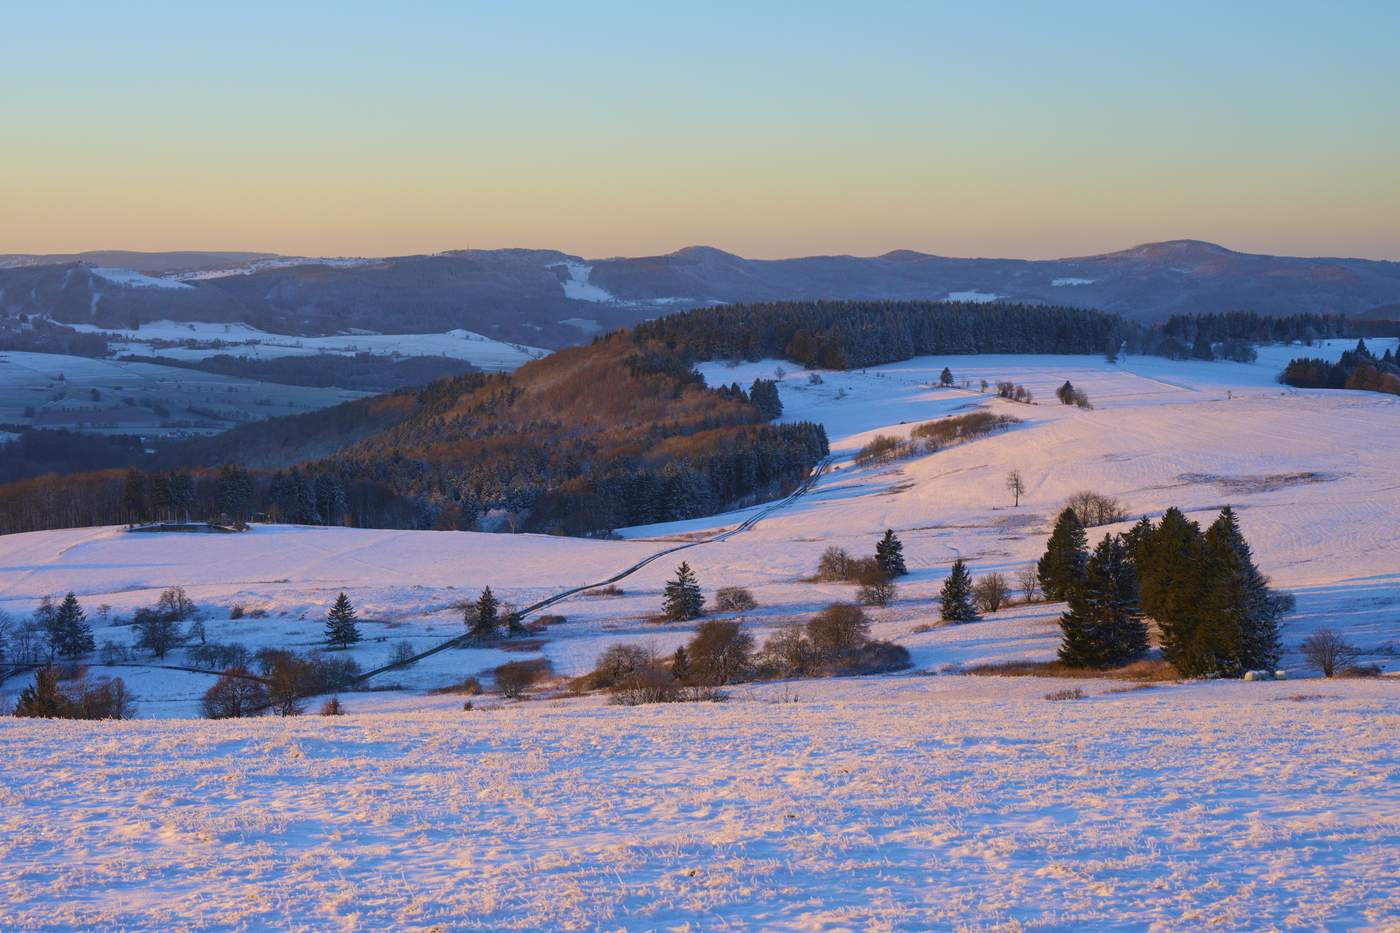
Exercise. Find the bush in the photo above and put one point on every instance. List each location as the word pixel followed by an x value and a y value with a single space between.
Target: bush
pixel 515 677
pixel 234 695
pixel 1094 509
pixel 1361 670
pixel 236 611
pixel 838 630
pixel 332 707
pixel 1028 582
pixel 834 566
pixel 545 621
pixel 884 449
pixel 720 653
pixel 878 590
pixel 80 698
pixel 613 665
pixel 403 653
pixel 652 682
pixel 611 589
pixel 734 599
pixel 1328 652
pixel 1073 693
pixel 215 656
pixel 991 592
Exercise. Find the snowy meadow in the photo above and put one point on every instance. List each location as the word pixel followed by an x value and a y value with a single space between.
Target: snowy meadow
pixel 928 798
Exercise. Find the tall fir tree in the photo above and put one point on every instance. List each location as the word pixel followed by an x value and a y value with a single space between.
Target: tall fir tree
pixel 1103 626
pixel 1062 567
pixel 1241 612
pixel 683 597
pixel 957 604
pixel 341 628
pixel 1135 537
pixel 487 618
pixel 889 552
pixel 1172 576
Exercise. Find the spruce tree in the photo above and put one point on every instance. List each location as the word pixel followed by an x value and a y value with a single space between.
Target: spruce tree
pixel 488 615
pixel 889 552
pixel 764 395
pixel 1135 538
pixel 1103 626
pixel 957 604
pixel 1172 576
pixel 70 635
pixel 945 378
pixel 1241 612
pixel 683 597
pixel 1062 567
pixel 341 630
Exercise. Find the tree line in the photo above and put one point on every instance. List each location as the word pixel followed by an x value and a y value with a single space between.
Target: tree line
pixel 1358 368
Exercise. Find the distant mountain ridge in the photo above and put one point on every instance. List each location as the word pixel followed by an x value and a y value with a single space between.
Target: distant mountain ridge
pixel 550 298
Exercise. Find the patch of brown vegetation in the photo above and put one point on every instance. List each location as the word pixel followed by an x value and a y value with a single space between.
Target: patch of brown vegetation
pixel 1147 670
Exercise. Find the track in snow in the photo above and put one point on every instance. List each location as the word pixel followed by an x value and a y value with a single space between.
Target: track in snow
pixel 745 525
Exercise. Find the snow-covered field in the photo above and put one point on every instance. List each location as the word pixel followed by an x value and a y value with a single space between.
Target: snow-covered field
pixel 923 800
pixel 906 803
pixel 210 339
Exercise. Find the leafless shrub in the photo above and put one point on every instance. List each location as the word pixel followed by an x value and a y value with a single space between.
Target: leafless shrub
pixel 611 589
pixel 403 653
pixel 883 449
pixel 835 565
pixel 1328 652
pixel 515 677
pixel 234 695
pixel 1094 509
pixel 1072 693
pixel 734 599
pixel 1028 582
pixel 991 592
pixel 236 611
pixel 332 707
pixel 1360 671
pixel 720 653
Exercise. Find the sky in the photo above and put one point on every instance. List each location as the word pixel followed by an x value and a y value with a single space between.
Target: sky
pixel 768 129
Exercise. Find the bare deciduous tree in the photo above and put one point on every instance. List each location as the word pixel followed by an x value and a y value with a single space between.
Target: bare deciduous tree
pixel 1015 485
pixel 1328 652
pixel 991 592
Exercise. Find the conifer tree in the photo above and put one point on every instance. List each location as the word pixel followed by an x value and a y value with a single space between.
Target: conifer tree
pixel 43 699
pixel 1062 567
pixel 957 604
pixel 1171 574
pixel 69 633
pixel 488 615
pixel 341 629
pixel 889 552
pixel 680 664
pixel 683 597
pixel 945 378
pixel 1135 537
pixel 1241 612
pixel 1103 626
pixel 764 395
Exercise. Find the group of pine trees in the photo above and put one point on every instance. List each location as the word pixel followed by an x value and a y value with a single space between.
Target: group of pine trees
pixel 1356 369
pixel 1215 611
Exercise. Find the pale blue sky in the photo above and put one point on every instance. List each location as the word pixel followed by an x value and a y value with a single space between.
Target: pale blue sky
pixel 1031 129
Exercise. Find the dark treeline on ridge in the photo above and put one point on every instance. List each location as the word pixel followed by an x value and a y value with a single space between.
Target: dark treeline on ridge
pixel 853 334
pixel 621 432
pixel 582 441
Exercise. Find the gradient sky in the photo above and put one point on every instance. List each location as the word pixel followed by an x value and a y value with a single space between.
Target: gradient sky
pixel 770 129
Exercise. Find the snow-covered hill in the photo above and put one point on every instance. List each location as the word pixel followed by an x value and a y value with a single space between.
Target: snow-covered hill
pixel 928 799
pixel 206 339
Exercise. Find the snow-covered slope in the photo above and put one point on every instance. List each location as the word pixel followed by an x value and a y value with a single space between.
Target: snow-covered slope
pixel 242 340
pixel 915 801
